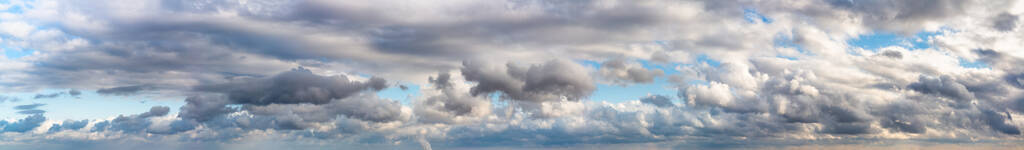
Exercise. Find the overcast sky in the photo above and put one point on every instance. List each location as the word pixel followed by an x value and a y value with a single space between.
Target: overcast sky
pixel 511 74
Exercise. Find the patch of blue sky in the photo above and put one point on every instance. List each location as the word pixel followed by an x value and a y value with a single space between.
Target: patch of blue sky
pixel 589 64
pixel 667 68
pixel 403 96
pixel 15 52
pixel 616 93
pixel 88 105
pixel 782 40
pixel 973 64
pixel 16 9
pixel 753 16
pixel 878 40
pixel 703 58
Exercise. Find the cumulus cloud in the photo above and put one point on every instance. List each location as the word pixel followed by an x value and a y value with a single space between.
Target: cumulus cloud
pixel 658 100
pixel 551 81
pixel 132 123
pixel 299 85
pixel 292 100
pixel 622 72
pixel 23 125
pixel 69 125
pixel 453 102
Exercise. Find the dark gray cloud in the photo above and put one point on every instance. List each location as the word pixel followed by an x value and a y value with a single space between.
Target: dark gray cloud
pixel 30 108
pixel 23 125
pixel 450 103
pixel 904 117
pixel 292 100
pixel 459 105
pixel 944 86
pixel 1005 22
pixel 998 121
pixel 901 16
pixel 622 72
pixel 658 100
pixel 299 85
pixel 550 81
pixel 124 90
pixel 69 125
pixel 893 54
pixel 45 96
pixel 74 92
pixel 132 123
pixel 204 108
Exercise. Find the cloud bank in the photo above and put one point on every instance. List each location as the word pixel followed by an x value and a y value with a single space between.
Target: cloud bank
pixel 515 74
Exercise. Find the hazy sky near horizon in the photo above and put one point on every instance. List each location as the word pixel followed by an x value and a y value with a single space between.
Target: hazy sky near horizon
pixel 511 74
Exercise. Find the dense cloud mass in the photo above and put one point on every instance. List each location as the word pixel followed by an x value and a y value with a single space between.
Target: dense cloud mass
pixel 552 81
pixel 621 72
pixel 705 74
pixel 299 85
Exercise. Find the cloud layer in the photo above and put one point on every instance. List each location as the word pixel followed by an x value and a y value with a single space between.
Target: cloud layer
pixel 519 73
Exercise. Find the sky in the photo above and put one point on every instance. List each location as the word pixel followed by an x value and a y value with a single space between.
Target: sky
pixel 511 74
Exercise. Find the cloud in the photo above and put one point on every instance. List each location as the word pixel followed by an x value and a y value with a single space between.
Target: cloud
pixel 658 100
pixel 1005 22
pixel 514 73
pixel 623 72
pixel 945 86
pixel 23 125
pixel 132 123
pixel 30 108
pixel 69 125
pixel 551 81
pixel 203 108
pixel 74 92
pixel 46 96
pixel 452 103
pixel 124 90
pixel 9 99
pixel 299 85
pixel 998 122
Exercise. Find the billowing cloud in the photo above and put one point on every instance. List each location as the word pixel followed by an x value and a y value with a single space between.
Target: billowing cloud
pixel 622 72
pixel 552 81
pixel 299 85
pixel 23 125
